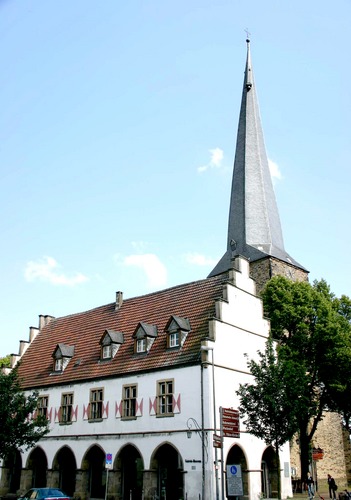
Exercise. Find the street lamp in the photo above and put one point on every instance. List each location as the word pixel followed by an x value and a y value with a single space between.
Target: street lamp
pixel 206 348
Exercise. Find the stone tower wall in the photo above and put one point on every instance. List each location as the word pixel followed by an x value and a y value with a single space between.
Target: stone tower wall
pixel 263 270
pixel 330 437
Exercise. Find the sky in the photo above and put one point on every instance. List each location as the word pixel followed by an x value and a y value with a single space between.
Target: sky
pixel 118 125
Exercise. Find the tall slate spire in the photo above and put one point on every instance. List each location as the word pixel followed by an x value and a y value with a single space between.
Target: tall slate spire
pixel 254 229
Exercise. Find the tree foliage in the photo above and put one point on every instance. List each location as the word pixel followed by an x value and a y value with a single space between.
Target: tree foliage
pixel 269 404
pixel 5 361
pixel 312 330
pixel 17 429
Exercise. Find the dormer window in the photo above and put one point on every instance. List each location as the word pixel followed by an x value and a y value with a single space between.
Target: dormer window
pixel 141 345
pixel 62 356
pixel 107 352
pixel 58 365
pixel 174 339
pixel 144 336
pixel 177 330
pixel 110 342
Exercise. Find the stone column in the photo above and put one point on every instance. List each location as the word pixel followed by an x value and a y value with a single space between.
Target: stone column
pixel 82 485
pixel 53 478
pixel 150 484
pixel 26 480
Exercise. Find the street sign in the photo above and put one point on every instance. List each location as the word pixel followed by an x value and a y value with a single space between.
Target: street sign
pixel 317 454
pixel 108 461
pixel 230 422
pixel 234 481
pixel 217 441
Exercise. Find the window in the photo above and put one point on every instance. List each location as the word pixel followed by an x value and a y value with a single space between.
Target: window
pixel 177 330
pixel 96 402
pixel 141 345
pixel 66 408
pixel 43 402
pixel 107 351
pixel 129 400
pixel 58 365
pixel 62 355
pixel 174 339
pixel 165 397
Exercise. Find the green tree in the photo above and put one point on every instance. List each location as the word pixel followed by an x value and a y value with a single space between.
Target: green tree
pixel 5 361
pixel 17 431
pixel 311 331
pixel 268 404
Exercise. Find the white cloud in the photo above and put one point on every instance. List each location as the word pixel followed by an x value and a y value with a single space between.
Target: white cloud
pixel 155 271
pixel 274 170
pixel 216 159
pixel 199 260
pixel 47 270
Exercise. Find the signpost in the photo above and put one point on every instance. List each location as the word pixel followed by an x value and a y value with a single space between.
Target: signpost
pixel 230 427
pixel 108 466
pixel 217 441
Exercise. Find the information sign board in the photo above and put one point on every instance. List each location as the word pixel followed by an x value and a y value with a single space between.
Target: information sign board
pixel 234 481
pixel 108 461
pixel 230 422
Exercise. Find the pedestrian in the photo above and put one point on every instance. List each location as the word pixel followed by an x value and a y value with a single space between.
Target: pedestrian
pixel 310 486
pixel 332 486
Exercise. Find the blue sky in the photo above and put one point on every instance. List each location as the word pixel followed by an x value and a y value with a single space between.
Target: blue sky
pixel 117 134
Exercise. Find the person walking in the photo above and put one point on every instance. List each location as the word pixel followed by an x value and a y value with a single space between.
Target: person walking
pixel 332 487
pixel 310 486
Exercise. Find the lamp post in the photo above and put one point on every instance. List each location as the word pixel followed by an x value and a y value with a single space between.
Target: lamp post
pixel 207 349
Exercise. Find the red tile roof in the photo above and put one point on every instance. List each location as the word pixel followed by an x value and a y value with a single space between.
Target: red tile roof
pixel 195 301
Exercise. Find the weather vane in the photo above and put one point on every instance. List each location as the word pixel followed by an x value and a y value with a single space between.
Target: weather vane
pixel 247 34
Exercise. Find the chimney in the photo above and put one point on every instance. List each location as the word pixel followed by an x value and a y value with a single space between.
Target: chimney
pixel 119 300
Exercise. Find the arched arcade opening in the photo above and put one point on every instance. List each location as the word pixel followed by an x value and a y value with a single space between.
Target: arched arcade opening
pixel 170 472
pixel 269 478
pixel 38 465
pixel 130 468
pixel 236 456
pixel 66 467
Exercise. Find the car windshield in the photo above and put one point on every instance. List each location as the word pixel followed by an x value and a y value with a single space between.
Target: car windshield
pixel 40 493
pixel 49 492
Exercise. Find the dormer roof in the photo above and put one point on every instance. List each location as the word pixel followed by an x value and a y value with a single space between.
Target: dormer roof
pixel 176 323
pixel 112 336
pixel 145 330
pixel 63 350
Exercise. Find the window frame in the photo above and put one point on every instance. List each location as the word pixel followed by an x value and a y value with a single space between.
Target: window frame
pixel 129 401
pixel 43 409
pixel 141 342
pixel 174 339
pixel 58 365
pixel 66 408
pixel 104 348
pixel 165 398
pixel 96 405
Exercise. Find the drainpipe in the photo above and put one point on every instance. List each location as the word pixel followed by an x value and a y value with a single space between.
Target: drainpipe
pixel 202 433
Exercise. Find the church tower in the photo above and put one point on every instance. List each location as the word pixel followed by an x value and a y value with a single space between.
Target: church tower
pixel 254 229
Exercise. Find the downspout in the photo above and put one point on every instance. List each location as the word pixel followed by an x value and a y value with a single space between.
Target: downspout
pixel 202 433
